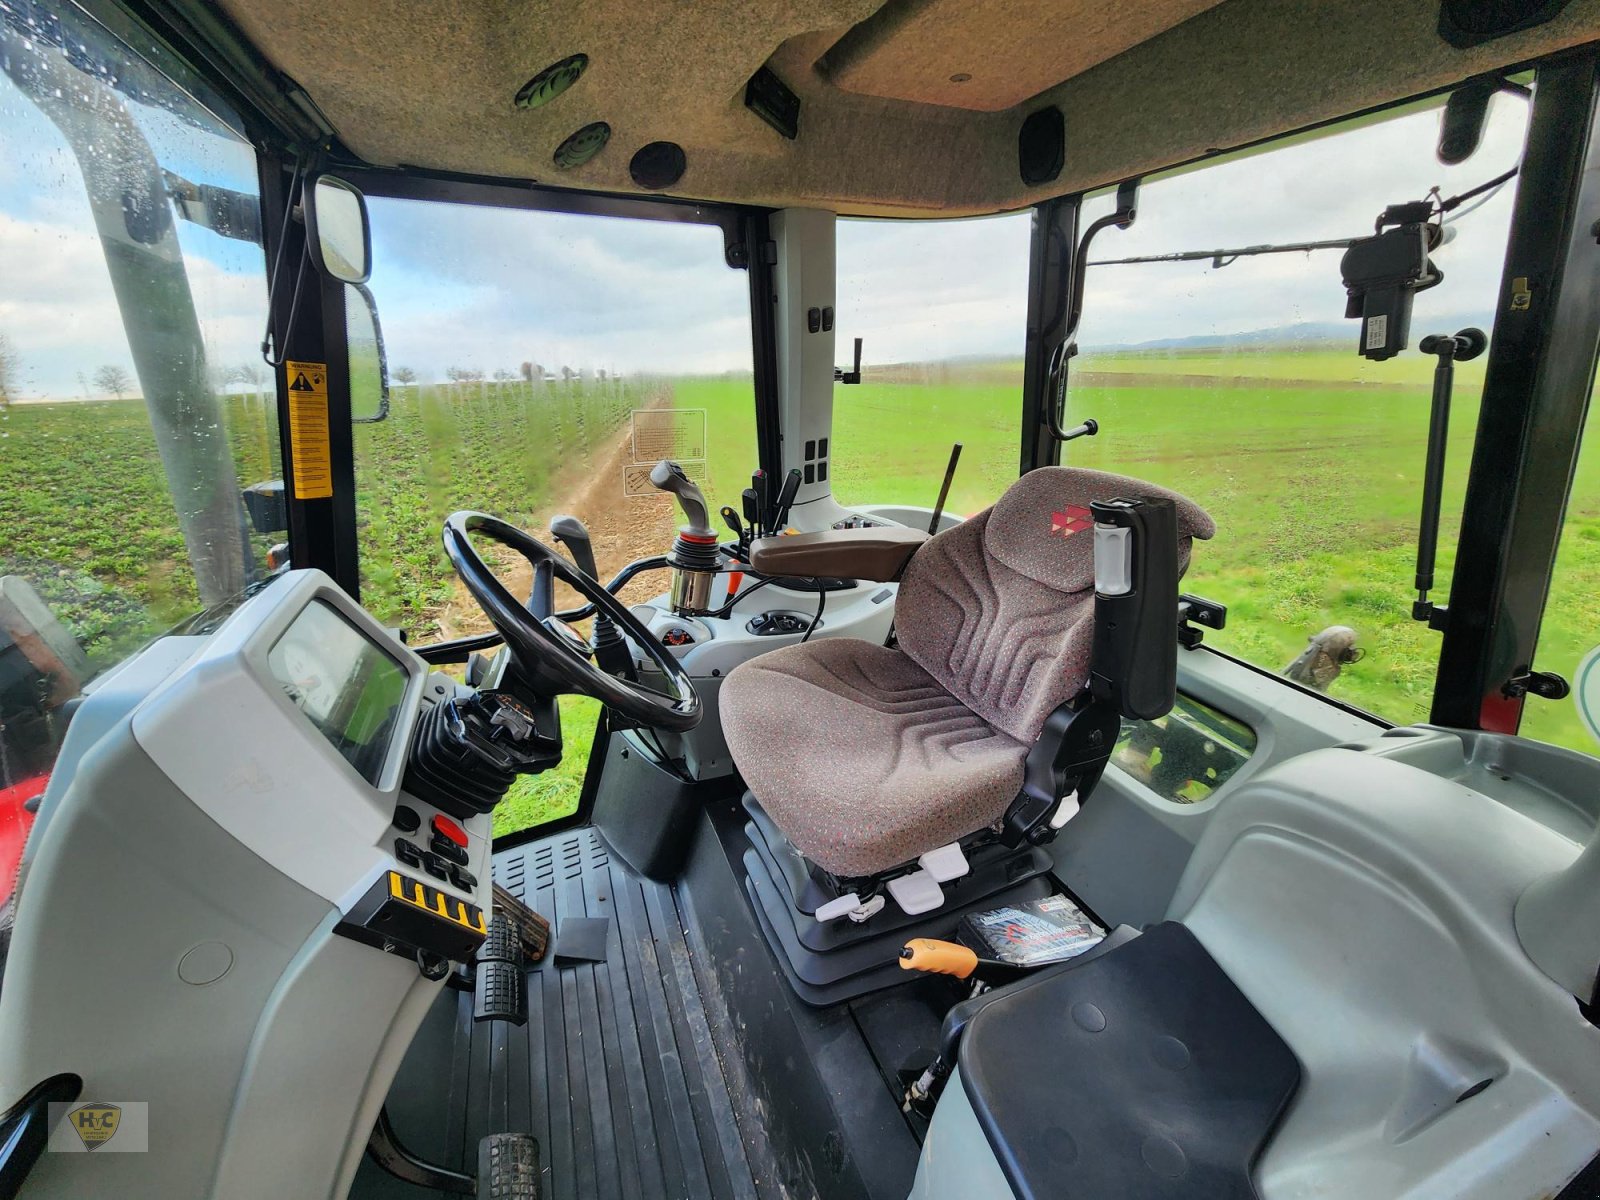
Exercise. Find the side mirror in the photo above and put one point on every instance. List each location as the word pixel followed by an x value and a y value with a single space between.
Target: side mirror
pixel 369 361
pixel 337 232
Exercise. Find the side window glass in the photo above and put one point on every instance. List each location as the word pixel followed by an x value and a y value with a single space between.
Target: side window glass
pixel 540 363
pixel 1569 633
pixel 1187 754
pixel 134 405
pixel 1234 378
pixel 941 308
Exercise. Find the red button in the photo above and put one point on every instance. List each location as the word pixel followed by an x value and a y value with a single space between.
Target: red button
pixel 450 831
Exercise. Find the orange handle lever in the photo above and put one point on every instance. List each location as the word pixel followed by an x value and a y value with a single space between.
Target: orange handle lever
pixel 941 958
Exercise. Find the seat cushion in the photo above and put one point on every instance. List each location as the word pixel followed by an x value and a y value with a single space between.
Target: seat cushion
pixel 860 757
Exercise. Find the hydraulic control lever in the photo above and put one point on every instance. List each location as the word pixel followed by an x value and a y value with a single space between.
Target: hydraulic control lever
pixel 695 559
pixel 610 648
pixel 786 495
pixel 670 477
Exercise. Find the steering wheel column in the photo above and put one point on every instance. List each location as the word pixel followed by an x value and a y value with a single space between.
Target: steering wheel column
pixel 553 657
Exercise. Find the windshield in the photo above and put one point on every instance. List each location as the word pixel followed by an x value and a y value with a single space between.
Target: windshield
pixel 541 363
pixel 134 405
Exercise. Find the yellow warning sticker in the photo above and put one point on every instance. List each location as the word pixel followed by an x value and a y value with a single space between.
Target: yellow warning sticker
pixel 308 429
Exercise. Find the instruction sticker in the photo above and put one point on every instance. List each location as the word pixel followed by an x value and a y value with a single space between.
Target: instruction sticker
pixel 636 477
pixel 308 429
pixel 676 433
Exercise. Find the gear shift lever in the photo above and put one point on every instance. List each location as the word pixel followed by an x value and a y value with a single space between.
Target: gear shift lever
pixel 694 558
pixel 572 534
pixel 610 650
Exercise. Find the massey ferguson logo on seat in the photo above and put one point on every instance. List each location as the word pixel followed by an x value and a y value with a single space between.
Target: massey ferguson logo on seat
pixel 1074 520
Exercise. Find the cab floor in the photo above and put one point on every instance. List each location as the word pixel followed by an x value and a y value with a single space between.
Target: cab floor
pixel 616 1072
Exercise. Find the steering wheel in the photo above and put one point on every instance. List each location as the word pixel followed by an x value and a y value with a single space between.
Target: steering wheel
pixel 548 645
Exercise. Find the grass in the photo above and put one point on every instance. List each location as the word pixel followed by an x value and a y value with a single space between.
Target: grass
pixel 1310 462
pixel 88 519
pixel 1314 482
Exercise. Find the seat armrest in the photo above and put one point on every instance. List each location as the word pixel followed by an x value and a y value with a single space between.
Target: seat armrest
pixel 879 553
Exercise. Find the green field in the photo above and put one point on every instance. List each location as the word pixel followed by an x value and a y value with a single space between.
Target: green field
pixel 1310 462
pixel 1314 487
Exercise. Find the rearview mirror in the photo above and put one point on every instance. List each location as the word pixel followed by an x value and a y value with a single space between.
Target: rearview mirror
pixel 369 361
pixel 337 232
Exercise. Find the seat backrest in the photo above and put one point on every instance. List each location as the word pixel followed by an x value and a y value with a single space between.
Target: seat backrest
pixel 1000 608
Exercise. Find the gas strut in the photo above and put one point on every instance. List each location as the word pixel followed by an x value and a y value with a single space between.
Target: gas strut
pixel 1463 347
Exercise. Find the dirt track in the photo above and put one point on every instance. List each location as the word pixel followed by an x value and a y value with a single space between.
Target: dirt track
pixel 622 528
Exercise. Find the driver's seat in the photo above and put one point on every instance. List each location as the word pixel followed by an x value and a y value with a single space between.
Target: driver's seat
pixel 866 757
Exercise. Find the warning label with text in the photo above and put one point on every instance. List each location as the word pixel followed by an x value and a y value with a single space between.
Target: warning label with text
pixel 308 429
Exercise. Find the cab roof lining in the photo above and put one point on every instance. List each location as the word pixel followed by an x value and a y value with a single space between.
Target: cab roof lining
pixel 415 83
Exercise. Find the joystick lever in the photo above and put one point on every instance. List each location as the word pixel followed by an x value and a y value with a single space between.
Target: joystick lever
pixel 670 477
pixel 695 558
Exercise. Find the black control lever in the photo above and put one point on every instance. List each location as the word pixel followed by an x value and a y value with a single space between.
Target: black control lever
pixel 752 511
pixel 840 375
pixel 573 535
pixel 610 648
pixel 731 520
pixel 791 485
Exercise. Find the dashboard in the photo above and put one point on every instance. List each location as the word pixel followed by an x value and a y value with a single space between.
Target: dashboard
pixel 232 901
pixel 347 685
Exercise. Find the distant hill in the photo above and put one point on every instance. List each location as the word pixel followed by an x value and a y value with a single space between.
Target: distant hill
pixel 1304 335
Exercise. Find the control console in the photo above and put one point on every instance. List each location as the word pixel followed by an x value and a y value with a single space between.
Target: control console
pixel 263 851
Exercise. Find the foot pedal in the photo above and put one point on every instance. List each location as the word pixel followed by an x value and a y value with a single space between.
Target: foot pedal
pixel 945 863
pixel 918 892
pixel 500 943
pixel 508 1167
pixel 501 993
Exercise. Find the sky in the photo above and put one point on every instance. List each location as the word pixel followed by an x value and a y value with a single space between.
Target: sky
pixel 490 289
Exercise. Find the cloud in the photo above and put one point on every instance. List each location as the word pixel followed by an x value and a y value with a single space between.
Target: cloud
pixel 917 291
pixel 61 316
pixel 483 287
pixel 1322 188
pixel 491 288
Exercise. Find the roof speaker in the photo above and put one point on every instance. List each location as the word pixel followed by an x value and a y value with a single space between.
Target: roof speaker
pixel 1042 146
pixel 658 165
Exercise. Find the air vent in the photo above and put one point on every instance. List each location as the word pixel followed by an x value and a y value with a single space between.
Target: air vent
pixel 552 81
pixel 582 145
